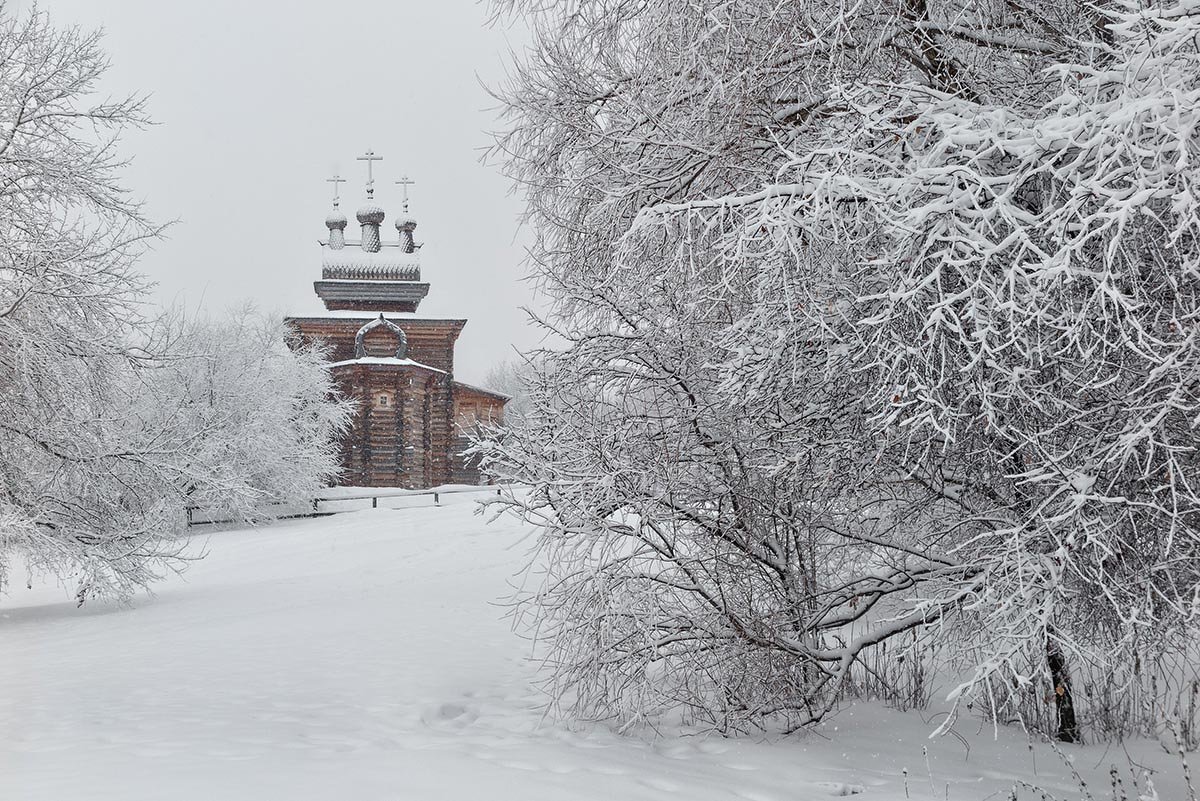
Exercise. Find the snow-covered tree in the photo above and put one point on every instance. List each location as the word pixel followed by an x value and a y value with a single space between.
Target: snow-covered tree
pixel 251 414
pixel 511 378
pixel 1028 340
pixel 111 419
pixel 69 305
pixel 879 324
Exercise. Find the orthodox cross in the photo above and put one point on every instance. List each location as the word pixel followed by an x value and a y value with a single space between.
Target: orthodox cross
pixel 335 180
pixel 369 157
pixel 405 182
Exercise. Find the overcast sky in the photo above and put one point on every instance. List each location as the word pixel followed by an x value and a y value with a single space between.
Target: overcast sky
pixel 259 101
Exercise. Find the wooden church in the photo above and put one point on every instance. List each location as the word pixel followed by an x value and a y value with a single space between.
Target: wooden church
pixel 413 417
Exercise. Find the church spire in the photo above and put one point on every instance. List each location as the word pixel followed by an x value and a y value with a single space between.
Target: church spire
pixel 370 215
pixel 336 221
pixel 405 223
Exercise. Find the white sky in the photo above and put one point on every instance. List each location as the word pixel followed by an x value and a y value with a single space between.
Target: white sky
pixel 258 102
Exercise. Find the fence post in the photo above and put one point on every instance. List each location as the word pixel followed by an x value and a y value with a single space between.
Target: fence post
pixel 374 503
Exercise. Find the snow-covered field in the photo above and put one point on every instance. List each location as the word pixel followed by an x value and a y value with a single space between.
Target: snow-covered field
pixel 365 656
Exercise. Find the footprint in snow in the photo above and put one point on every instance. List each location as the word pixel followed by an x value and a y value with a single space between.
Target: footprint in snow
pixel 449 715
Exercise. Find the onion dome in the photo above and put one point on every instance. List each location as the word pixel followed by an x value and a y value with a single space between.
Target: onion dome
pixel 369 217
pixel 405 225
pixel 369 214
pixel 405 222
pixel 336 219
pixel 336 223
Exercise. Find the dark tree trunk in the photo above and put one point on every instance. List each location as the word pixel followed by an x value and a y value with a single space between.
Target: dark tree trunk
pixel 1064 704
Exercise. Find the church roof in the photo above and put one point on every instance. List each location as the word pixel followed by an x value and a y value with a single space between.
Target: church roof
pixel 480 390
pixel 371 314
pixel 388 295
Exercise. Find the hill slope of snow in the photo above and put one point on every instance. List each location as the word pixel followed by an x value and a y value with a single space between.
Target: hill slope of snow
pixel 366 656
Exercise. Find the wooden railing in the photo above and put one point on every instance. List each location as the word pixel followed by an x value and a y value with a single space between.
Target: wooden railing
pixel 373 497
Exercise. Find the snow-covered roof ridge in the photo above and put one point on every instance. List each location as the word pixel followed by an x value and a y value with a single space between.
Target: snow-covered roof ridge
pixel 481 390
pixel 388 360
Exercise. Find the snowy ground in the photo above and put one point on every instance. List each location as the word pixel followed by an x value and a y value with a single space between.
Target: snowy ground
pixel 363 656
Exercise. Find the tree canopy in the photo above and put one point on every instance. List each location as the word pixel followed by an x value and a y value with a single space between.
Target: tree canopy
pixel 879 323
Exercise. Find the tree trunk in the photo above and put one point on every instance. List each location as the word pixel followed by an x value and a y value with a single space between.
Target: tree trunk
pixel 1068 726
